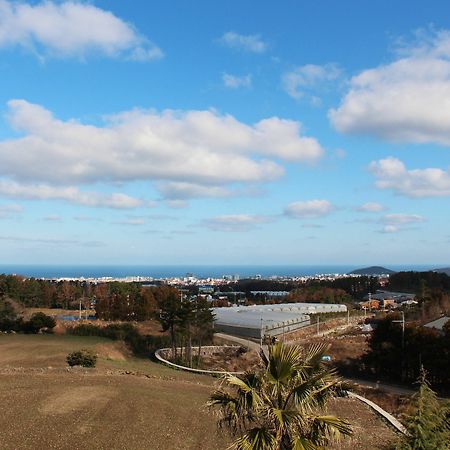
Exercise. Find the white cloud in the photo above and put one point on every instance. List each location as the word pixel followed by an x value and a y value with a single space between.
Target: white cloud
pixel 300 81
pixel 70 194
pixel 401 219
pixel 390 229
pixel 236 82
pixel 391 173
pixel 182 190
pixel 52 241
pixel 71 28
pixel 407 100
pixel 394 223
pixel 250 43
pixel 52 218
pixel 235 222
pixel 135 221
pixel 309 209
pixel 176 203
pixel 9 210
pixel 200 148
pixel 371 207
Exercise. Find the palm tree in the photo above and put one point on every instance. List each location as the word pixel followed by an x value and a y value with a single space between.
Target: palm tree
pixel 280 407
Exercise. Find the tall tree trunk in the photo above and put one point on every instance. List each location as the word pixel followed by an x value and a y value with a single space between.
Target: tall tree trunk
pixel 190 345
pixel 199 351
pixel 172 338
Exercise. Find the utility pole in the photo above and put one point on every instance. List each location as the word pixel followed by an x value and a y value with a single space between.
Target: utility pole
pixel 261 334
pixel 403 342
pixel 318 324
pixel 80 310
pixel 348 316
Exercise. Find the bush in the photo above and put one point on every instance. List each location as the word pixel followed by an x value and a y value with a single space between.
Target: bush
pixel 83 357
pixel 37 322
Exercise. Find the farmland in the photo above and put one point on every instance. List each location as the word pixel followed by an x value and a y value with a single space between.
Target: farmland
pixel 124 403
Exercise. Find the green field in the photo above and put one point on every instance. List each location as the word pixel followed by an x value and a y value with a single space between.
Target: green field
pixel 124 403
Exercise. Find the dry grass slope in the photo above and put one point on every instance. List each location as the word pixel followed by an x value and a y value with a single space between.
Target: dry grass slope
pixel 125 403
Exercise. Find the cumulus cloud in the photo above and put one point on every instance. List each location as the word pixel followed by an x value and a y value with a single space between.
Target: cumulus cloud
pixel 407 100
pixel 391 173
pixel 71 194
pixel 301 81
pixel 70 29
pixel 308 209
pixel 250 43
pixel 236 82
pixel 202 149
pixel 235 222
pixel 371 207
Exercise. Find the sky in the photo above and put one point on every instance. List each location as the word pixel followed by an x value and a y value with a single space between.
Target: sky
pixel 225 132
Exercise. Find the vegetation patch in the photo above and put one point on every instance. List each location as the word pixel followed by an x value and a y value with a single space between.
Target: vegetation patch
pixel 83 358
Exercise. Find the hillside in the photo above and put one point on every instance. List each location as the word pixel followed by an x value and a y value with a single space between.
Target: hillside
pixel 124 403
pixel 445 270
pixel 372 271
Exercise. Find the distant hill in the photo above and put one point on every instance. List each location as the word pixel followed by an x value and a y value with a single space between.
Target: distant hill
pixel 373 270
pixel 445 270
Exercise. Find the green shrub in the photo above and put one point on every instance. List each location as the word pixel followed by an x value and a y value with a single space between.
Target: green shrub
pixel 83 357
pixel 37 322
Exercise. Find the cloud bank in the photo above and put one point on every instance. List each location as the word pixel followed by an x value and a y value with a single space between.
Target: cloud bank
pixel 194 153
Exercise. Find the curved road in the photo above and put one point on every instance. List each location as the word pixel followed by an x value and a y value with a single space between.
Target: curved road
pixel 393 389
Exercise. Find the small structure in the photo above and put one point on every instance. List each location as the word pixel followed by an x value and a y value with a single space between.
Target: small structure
pixel 438 324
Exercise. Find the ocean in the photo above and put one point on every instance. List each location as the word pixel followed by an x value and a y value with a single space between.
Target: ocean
pixel 169 271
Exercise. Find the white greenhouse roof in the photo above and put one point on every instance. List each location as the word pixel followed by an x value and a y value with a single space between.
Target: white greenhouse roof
pixel 271 315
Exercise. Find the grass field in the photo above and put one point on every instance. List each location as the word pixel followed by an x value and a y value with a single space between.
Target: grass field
pixel 125 403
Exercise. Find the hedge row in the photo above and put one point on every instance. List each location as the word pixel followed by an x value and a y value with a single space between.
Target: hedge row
pixel 140 345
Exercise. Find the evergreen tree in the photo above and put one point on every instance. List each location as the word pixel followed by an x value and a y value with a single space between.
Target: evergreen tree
pixel 429 425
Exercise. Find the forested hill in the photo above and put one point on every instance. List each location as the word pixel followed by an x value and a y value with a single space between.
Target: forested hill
pixel 419 282
pixel 372 271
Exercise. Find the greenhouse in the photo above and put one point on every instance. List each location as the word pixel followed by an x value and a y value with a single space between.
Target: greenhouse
pixel 272 320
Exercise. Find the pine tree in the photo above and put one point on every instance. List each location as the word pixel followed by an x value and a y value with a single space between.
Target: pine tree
pixel 429 426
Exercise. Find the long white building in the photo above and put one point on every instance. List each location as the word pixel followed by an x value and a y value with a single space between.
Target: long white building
pixel 273 320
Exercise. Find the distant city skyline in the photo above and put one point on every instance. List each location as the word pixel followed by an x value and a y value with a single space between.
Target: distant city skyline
pixel 301 133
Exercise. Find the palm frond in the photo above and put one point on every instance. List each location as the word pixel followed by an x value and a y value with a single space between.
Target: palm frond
pixel 301 443
pixel 331 427
pixel 283 362
pixel 259 438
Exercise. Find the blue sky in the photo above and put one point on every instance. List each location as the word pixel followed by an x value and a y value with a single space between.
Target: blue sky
pixel 225 132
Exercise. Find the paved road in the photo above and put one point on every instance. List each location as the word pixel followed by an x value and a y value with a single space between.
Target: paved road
pixel 391 388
